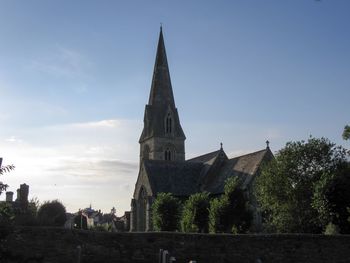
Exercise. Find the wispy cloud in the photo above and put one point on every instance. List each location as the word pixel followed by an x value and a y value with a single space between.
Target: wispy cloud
pixel 13 139
pixel 65 63
pixel 103 123
pixel 69 161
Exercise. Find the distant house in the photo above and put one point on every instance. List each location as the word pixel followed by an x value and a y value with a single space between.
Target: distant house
pixel 88 218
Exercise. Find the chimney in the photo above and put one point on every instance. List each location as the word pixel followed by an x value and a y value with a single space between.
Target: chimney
pixel 9 196
pixel 24 190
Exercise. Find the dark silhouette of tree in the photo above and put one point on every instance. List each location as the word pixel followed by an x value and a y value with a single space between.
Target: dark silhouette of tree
pixel 346 132
pixel 52 213
pixel 5 169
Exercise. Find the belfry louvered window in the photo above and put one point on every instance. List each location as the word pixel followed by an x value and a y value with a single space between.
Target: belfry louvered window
pixel 167 155
pixel 168 124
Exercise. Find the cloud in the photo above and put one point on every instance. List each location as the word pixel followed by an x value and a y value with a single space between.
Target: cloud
pixel 103 123
pixel 13 139
pixel 97 161
pixel 65 63
pixel 78 163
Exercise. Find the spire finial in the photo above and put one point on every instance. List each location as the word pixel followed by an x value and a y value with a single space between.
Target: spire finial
pixel 220 145
pixel 161 26
pixel 267 144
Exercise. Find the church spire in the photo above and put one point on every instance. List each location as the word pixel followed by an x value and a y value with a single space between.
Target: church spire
pixel 162 136
pixel 161 90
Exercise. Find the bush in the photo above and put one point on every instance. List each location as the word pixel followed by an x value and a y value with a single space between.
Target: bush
pixel 230 213
pixel 195 215
pixel 52 213
pixel 6 219
pixel 331 229
pixel 166 212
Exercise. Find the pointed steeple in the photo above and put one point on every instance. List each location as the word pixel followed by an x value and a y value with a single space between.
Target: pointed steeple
pixel 161 90
pixel 162 136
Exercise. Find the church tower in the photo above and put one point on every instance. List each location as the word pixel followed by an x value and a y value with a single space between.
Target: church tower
pixel 162 137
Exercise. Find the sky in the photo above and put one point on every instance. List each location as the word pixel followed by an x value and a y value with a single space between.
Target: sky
pixel 75 77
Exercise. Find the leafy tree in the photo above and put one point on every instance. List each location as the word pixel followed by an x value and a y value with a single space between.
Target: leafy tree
pixel 332 199
pixel 5 169
pixel 27 216
pixel 346 132
pixel 6 219
pixel 287 185
pixel 195 214
pixel 6 213
pixel 166 212
pixel 230 213
pixel 52 213
pixel 217 215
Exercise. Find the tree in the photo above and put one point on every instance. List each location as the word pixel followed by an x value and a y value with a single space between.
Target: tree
pixel 5 169
pixel 52 213
pixel 195 214
pixel 166 212
pixel 230 213
pixel 287 185
pixel 346 132
pixel 332 199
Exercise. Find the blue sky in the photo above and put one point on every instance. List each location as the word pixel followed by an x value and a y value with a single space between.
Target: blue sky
pixel 75 77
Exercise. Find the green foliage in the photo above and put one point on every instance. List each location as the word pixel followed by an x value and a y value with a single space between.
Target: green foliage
pixel 287 186
pixel 4 169
pixel 331 229
pixel 195 214
pixel 217 215
pixel 230 213
pixel 332 198
pixel 7 168
pixel 166 212
pixel 7 214
pixel 80 222
pixel 27 216
pixel 346 132
pixel 52 213
pixel 101 228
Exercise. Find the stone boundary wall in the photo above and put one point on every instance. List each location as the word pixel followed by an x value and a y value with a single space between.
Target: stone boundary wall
pixel 61 245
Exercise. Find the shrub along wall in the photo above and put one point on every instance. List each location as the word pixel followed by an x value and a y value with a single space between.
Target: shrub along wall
pixel 61 245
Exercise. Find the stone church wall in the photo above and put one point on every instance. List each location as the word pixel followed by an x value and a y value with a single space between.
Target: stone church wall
pixel 61 245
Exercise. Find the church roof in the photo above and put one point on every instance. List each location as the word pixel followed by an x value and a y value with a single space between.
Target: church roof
pixel 205 157
pixel 203 173
pixel 245 167
pixel 178 178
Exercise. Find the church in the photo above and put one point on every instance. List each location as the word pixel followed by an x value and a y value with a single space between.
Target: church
pixel 163 166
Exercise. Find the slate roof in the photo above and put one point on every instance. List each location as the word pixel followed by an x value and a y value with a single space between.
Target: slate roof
pixel 202 173
pixel 205 157
pixel 178 178
pixel 245 167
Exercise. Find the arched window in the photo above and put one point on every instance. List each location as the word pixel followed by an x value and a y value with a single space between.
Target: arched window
pixel 168 124
pixel 167 155
pixel 142 204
